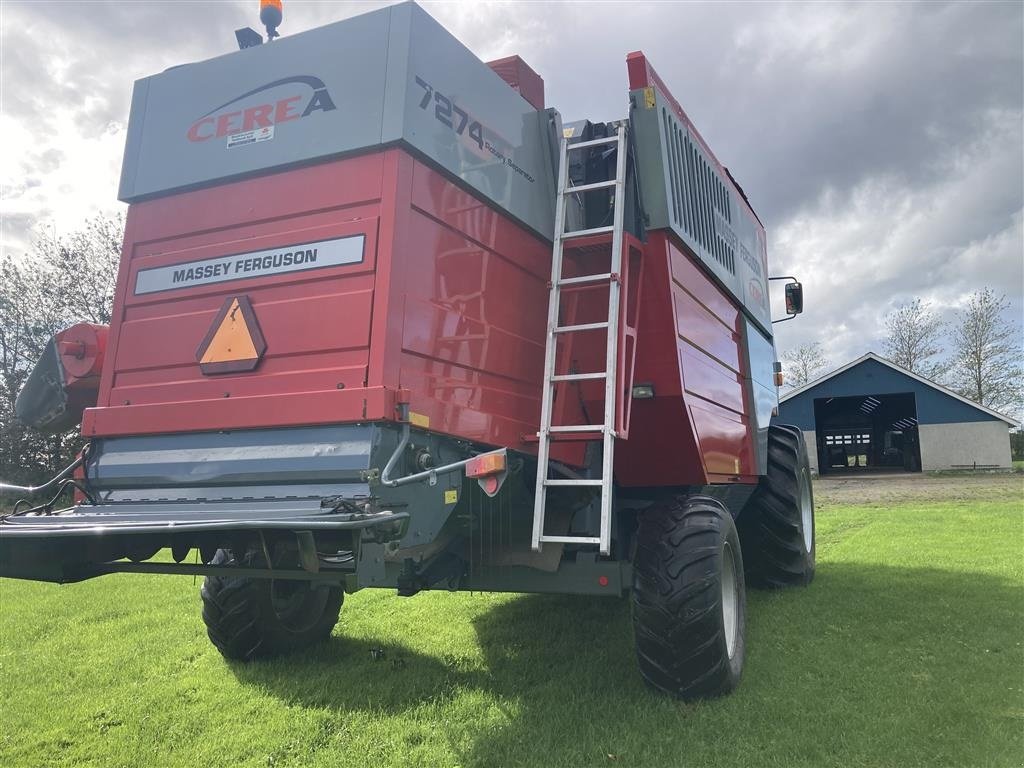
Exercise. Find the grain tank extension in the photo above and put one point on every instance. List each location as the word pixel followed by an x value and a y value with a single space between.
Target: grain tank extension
pixel 384 319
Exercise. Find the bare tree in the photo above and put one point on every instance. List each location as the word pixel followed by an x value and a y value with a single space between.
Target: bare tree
pixel 987 351
pixel 63 280
pixel 803 364
pixel 913 338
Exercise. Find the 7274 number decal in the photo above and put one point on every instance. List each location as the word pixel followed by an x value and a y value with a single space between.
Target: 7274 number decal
pixel 448 113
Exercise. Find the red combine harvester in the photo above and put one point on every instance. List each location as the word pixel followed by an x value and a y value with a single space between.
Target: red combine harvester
pixel 384 320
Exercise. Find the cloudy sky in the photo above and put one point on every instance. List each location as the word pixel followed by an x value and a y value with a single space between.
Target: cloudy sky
pixel 881 143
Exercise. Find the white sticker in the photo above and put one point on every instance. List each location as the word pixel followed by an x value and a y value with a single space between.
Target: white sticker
pixel 239 266
pixel 250 137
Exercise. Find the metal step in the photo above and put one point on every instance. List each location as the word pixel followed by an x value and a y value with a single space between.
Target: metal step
pixel 587 232
pixel 571 539
pixel 594 142
pixel 605 432
pixel 600 277
pixel 579 376
pixel 581 327
pixel 589 187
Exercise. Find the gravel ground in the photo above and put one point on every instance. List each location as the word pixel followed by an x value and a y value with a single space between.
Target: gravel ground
pixel 879 489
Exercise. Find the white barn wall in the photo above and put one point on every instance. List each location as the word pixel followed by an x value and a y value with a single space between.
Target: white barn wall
pixel 951 446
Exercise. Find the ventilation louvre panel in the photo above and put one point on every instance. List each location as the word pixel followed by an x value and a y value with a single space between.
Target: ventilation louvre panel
pixel 698 194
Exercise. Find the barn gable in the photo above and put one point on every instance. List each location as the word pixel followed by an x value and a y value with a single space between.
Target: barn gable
pixel 890 417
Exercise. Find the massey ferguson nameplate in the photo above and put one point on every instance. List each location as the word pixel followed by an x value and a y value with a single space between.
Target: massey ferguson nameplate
pixel 296 258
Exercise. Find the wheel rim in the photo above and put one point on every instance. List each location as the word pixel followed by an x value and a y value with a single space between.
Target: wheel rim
pixel 806 510
pixel 297 605
pixel 730 600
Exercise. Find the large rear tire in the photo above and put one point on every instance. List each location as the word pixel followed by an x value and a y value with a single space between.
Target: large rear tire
pixel 777 524
pixel 689 601
pixel 248 618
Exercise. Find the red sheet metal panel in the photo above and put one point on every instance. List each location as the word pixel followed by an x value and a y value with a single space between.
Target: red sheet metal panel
pixel 697 428
pixel 522 77
pixel 317 323
pixel 448 303
pixel 475 294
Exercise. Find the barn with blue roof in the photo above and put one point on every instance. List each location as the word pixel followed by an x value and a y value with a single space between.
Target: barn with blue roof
pixel 874 415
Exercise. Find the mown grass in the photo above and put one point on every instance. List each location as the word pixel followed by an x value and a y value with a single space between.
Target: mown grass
pixel 906 650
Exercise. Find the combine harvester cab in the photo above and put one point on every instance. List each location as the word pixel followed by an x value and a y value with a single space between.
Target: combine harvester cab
pixel 369 286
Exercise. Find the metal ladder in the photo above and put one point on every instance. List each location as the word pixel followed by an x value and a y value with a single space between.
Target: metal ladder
pixel 554 332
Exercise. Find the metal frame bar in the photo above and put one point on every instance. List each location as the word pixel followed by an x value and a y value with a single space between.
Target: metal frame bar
pixel 427 474
pixel 199 569
pixel 66 527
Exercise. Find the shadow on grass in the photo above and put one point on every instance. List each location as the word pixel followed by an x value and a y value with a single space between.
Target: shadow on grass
pixel 346 674
pixel 869 665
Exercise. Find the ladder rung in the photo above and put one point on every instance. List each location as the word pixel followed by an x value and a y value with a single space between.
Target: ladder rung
pixel 594 142
pixel 599 277
pixel 581 327
pixel 570 539
pixel 580 437
pixel 588 187
pixel 580 376
pixel 588 232
pixel 582 481
pixel 577 428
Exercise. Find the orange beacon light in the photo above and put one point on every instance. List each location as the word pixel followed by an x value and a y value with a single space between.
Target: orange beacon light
pixel 270 15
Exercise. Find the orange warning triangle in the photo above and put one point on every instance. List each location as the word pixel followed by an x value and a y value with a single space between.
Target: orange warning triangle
pixel 234 342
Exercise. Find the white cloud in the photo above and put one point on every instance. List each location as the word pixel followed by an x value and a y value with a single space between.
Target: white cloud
pixel 881 143
pixel 863 253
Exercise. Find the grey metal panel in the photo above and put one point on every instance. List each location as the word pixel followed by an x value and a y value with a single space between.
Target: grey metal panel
pixel 215 493
pixel 349 57
pixel 683 191
pixel 133 139
pixel 447 93
pixel 760 387
pixel 198 462
pixel 387 76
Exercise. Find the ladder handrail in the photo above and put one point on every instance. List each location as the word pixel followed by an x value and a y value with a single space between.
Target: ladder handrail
pixel 606 430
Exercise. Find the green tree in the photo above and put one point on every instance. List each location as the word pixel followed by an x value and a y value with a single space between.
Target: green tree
pixel 803 364
pixel 913 334
pixel 987 351
pixel 62 281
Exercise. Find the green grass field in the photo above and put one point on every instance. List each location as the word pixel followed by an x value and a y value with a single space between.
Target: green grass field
pixel 906 650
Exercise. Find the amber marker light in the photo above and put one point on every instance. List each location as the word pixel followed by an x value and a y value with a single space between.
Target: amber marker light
pixel 271 14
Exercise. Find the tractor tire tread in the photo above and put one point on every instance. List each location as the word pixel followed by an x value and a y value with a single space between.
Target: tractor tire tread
pixel 770 526
pixel 677 610
pixel 240 623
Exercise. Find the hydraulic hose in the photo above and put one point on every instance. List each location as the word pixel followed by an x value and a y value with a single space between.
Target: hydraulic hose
pixel 60 476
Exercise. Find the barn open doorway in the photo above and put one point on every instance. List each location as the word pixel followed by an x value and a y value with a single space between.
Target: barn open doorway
pixel 867 433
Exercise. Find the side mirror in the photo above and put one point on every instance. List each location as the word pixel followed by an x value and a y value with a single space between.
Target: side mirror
pixel 794 298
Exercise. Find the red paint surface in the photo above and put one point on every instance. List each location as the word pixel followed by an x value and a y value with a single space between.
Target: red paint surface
pixel 449 304
pixel 82 349
pixel 696 429
pixel 447 312
pixel 522 77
